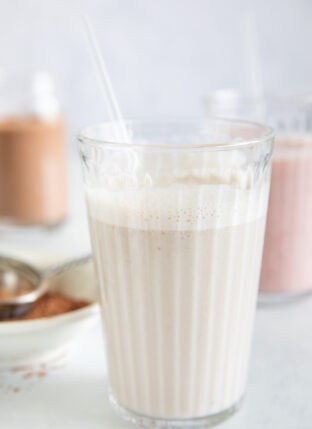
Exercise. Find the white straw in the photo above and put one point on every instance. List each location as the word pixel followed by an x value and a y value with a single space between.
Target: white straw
pixel 254 64
pixel 113 110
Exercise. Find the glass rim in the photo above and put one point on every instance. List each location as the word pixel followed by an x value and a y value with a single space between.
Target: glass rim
pixel 295 99
pixel 268 134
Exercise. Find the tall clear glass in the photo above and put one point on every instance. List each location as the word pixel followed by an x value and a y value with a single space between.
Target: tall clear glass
pixel 287 267
pixel 177 219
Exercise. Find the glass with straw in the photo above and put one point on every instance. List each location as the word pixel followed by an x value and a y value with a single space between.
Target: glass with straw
pixel 177 212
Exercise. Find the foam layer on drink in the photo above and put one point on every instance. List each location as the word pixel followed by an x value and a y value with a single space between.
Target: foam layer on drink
pixel 187 203
pixel 290 146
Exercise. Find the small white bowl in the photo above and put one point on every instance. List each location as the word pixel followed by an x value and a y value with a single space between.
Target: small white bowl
pixel 29 342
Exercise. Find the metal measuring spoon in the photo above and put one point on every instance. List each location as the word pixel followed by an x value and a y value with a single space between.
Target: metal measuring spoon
pixel 21 285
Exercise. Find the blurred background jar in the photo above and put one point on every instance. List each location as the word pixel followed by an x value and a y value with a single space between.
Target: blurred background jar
pixel 287 257
pixel 33 159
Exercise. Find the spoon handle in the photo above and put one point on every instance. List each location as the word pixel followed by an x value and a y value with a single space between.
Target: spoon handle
pixel 59 268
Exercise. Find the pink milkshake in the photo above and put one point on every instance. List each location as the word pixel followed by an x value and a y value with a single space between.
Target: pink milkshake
pixel 287 258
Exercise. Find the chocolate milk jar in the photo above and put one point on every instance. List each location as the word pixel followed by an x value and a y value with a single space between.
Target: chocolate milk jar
pixel 33 170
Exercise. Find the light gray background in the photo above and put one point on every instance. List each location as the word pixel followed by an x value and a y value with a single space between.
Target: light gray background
pixel 163 55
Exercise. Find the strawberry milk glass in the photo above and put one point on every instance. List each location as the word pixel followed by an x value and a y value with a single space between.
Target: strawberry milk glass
pixel 287 258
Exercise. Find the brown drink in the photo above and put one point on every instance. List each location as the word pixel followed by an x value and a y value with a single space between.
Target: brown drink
pixel 32 172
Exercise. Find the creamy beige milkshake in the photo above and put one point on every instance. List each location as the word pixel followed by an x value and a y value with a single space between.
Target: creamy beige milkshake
pixel 178 281
pixel 177 249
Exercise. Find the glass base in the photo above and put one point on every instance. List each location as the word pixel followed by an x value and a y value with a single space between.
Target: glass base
pixel 160 423
pixel 267 299
pixel 11 227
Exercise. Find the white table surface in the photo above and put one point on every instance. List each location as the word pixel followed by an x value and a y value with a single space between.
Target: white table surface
pixel 73 395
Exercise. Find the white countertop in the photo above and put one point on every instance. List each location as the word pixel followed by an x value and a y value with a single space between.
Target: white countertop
pixel 73 396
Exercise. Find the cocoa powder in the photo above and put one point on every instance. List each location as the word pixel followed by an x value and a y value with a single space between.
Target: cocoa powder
pixel 52 304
